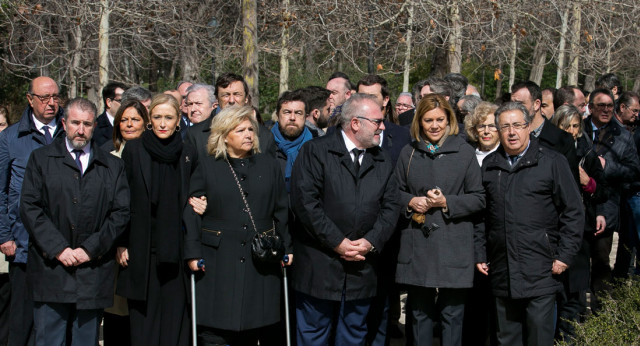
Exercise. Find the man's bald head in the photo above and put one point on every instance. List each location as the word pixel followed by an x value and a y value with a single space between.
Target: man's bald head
pixel 44 98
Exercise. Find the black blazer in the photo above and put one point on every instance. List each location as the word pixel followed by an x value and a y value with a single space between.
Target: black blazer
pixel 104 130
pixel 394 139
pixel 133 280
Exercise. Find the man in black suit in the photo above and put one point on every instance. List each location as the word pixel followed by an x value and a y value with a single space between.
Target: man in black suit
pixel 529 94
pixel 111 97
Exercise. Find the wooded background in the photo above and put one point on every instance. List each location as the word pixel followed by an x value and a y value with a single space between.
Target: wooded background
pixel 285 44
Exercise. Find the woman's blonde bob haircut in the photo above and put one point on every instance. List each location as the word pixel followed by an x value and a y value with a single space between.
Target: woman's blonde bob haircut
pixel 225 122
pixel 429 103
pixel 479 115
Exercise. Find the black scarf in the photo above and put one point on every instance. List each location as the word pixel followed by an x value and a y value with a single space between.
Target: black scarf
pixel 165 195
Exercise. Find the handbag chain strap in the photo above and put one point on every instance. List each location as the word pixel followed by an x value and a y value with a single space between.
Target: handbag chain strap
pixel 246 204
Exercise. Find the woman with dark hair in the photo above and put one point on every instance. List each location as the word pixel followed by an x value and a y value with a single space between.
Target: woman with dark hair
pixel 571 301
pixel 128 124
pixel 238 295
pixel 441 190
pixel 152 276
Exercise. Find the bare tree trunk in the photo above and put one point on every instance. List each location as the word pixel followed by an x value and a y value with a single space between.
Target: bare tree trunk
pixel 439 60
pixel 561 48
pixel 250 48
pixel 512 58
pixel 572 75
pixel 284 50
pixel 103 48
pixel 636 84
pixel 454 54
pixel 407 53
pixel 590 81
pixel 499 84
pixel 539 58
pixel 75 62
pixel 189 61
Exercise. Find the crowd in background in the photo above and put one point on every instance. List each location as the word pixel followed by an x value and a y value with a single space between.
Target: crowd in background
pixel 496 218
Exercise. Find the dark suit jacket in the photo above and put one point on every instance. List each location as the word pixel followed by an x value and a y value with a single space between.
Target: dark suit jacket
pixel 553 138
pixel 104 130
pixel 394 139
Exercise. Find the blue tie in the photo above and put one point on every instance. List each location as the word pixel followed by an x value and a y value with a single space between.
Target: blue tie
pixel 47 135
pixel 78 153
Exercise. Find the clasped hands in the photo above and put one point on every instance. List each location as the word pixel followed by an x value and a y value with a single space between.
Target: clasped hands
pixel 353 250
pixel 73 257
pixel 433 199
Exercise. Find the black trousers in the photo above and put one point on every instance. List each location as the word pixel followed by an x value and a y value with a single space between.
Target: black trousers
pixel 5 303
pixel 527 321
pixel 427 307
pixel 600 269
pixel 162 319
pixel 268 336
pixel 21 309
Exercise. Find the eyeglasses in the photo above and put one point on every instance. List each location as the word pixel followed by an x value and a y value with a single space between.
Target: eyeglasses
pixel 46 98
pixel 490 127
pixel 117 100
pixel 515 126
pixel 376 122
pixel 403 105
pixel 604 105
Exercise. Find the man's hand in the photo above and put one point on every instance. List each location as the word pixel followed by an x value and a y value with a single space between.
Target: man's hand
pixel 558 267
pixel 67 257
pixel 349 251
pixel 601 224
pixel 8 248
pixel 483 268
pixel 81 256
pixel 122 256
pixel 193 265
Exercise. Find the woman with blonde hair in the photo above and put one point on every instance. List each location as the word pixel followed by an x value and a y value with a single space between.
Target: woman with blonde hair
pixel 238 294
pixel 482 131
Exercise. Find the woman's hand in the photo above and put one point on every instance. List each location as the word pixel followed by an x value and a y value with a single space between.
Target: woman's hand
pixel 419 204
pixel 584 177
pixel 435 198
pixel 199 204
pixel 122 256
pixel 193 265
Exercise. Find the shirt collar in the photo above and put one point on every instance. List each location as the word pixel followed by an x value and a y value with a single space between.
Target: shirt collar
pixel 52 124
pixel 110 117
pixel 70 148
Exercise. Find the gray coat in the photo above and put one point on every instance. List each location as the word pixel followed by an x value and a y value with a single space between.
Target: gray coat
pixel 445 258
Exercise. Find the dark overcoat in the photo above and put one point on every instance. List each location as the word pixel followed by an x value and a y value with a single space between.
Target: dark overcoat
pixel 133 280
pixel 333 203
pixel 534 216
pixel 61 208
pixel 445 258
pixel 104 130
pixel 236 292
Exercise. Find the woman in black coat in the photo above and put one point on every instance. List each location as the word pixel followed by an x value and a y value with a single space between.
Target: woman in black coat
pixel 238 297
pixel 440 190
pixel 572 301
pixel 152 276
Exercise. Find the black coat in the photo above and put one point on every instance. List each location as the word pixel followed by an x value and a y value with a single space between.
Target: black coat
pixel 561 141
pixel 104 130
pixel 333 204
pixel 395 138
pixel 133 280
pixel 534 216
pixel 622 165
pixel 60 209
pixel 445 258
pixel 236 292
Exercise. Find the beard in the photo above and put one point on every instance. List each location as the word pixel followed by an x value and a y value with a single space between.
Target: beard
pixel 291 132
pixel 78 142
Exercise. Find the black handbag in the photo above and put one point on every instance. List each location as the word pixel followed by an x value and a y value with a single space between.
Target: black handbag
pixel 266 246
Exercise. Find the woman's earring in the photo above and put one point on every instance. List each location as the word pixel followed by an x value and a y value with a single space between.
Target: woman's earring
pixel 149 126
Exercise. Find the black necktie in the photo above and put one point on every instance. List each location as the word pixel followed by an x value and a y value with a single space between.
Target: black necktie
pixel 356 158
pixel 513 159
pixel 78 153
pixel 47 135
pixel 596 137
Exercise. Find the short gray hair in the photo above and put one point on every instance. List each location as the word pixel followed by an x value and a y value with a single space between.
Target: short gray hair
pixel 137 93
pixel 81 104
pixel 211 91
pixel 350 108
pixel 406 94
pixel 469 103
pixel 513 106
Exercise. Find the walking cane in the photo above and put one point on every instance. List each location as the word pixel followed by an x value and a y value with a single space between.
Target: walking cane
pixel 193 304
pixel 285 260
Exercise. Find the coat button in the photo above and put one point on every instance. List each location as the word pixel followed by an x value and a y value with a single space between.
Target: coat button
pixel 242 260
pixel 242 178
pixel 243 243
pixel 75 200
pixel 73 227
pixel 244 227
pixel 76 176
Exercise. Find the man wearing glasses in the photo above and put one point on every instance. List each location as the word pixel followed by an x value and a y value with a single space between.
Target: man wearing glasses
pixel 112 98
pixel 619 158
pixel 533 228
pixel 344 194
pixel 39 126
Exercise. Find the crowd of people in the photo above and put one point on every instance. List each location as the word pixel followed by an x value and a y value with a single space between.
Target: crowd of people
pixel 496 218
